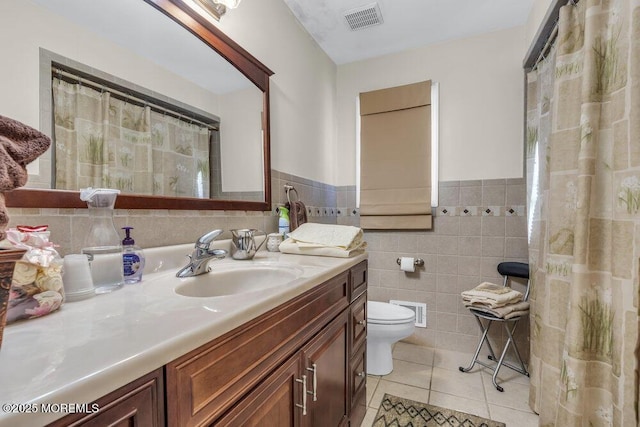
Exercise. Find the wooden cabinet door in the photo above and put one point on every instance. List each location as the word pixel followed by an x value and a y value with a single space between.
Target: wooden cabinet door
pixel 358 389
pixel 276 402
pixel 139 403
pixel 326 365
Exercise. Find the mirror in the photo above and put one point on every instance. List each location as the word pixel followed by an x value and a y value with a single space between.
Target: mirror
pixel 152 39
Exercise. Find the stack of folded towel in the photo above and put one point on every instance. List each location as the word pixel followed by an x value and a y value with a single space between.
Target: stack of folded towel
pixel 341 241
pixel 500 301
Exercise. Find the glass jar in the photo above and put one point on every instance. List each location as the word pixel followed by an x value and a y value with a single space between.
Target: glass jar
pixel 102 243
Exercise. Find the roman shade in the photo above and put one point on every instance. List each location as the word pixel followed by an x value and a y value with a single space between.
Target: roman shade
pixel 395 158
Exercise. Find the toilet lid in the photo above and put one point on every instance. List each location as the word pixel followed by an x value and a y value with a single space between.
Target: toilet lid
pixel 382 312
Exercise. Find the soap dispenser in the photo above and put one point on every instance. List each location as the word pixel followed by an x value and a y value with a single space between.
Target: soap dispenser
pixel 132 258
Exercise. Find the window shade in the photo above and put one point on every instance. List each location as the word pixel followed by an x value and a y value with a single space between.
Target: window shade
pixel 395 157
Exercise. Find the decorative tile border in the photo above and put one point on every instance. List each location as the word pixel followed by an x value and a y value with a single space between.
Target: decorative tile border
pixel 326 211
pixel 518 210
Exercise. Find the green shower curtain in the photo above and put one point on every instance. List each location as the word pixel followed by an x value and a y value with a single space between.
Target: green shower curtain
pixel 583 167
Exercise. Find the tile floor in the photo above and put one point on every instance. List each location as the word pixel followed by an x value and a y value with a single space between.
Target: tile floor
pixel 432 376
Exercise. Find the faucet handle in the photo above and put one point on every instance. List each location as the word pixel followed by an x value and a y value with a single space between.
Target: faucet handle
pixel 205 240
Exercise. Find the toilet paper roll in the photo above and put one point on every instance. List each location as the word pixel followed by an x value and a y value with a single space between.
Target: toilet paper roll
pixel 407 264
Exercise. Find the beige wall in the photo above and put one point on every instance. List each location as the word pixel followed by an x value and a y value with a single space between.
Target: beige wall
pixel 33 27
pixel 241 140
pixel 303 88
pixel 481 103
pixel 302 124
pixel 537 14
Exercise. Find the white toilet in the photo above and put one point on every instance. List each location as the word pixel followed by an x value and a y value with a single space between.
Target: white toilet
pixel 386 325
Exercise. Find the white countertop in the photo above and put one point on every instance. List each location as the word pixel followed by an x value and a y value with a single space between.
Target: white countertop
pixel 92 347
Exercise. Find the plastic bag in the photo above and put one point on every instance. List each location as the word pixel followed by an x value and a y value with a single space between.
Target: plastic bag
pixel 36 287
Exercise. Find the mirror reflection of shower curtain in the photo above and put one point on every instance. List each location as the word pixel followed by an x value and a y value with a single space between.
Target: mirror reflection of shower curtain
pixel 583 166
pixel 103 141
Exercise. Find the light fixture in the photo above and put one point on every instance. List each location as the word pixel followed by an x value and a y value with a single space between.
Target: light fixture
pixel 217 8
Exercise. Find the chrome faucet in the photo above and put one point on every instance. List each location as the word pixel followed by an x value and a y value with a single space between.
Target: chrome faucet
pixel 201 255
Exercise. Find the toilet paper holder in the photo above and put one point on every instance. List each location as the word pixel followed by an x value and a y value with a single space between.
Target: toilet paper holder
pixel 418 262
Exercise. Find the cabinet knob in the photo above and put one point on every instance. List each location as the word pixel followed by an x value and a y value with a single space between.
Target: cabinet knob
pixel 362 374
pixel 362 322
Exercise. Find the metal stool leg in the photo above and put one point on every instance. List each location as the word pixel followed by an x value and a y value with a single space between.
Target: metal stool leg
pixel 511 341
pixel 500 361
pixel 485 332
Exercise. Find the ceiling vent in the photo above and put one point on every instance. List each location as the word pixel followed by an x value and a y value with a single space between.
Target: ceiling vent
pixel 363 17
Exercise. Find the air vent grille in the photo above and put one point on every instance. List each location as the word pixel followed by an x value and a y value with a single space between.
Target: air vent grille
pixel 363 17
pixel 419 308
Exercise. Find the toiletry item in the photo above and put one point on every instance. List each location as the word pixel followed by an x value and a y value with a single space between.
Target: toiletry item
pixel 132 258
pixel 283 220
pixel 36 287
pixel 102 243
pixel 76 277
pixel 273 241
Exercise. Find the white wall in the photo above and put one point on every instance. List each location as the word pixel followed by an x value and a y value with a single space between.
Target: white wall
pixel 241 140
pixel 32 27
pixel 481 103
pixel 537 14
pixel 303 88
pixel 313 100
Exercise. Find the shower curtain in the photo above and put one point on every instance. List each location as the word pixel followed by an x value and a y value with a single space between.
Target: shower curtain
pixel 102 141
pixel 583 173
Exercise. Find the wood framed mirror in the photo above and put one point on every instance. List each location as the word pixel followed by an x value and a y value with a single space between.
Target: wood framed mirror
pixel 202 30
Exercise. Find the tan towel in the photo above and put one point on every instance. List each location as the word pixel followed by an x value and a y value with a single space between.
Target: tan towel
pixel 491 295
pixel 506 312
pixel 290 246
pixel 297 214
pixel 19 146
pixel 325 240
pixel 327 235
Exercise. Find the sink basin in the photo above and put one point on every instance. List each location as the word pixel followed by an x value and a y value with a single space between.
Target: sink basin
pixel 237 279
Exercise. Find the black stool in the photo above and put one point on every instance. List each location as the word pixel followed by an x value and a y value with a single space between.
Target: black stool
pixel 507 270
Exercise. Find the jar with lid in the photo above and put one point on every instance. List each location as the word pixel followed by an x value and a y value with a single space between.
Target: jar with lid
pixel 102 243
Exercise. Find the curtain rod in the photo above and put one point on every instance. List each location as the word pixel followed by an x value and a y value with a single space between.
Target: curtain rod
pixel 177 112
pixel 547 46
pixel 546 34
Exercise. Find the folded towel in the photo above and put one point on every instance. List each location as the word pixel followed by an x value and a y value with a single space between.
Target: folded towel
pixel 290 246
pixel 311 235
pixel 19 146
pixel 297 214
pixel 506 312
pixel 341 241
pixel 491 295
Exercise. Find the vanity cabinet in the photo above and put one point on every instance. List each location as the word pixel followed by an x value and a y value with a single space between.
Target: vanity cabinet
pixel 266 371
pixel 139 403
pixel 309 389
pixel 300 364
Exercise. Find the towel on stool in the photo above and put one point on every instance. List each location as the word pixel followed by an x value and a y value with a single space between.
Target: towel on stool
pixel 491 295
pixel 505 312
pixel 19 146
pixel 297 214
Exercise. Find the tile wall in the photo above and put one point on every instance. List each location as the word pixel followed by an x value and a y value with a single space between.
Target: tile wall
pixel 169 227
pixel 477 225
